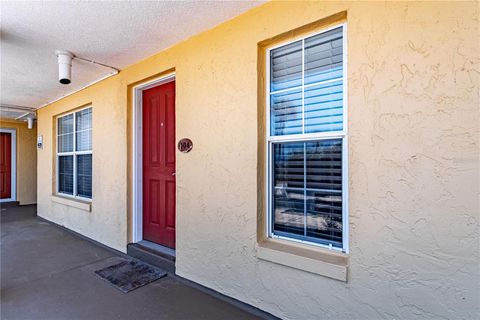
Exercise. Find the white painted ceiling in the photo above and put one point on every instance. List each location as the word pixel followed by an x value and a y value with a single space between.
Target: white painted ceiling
pixel 116 33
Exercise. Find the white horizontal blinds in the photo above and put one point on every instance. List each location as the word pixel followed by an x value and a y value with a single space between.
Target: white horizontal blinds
pixel 324 191
pixel 84 175
pixel 286 67
pixel 306 97
pixel 75 153
pixel 288 188
pixel 65 174
pixel 83 140
pixel 83 130
pixel 314 103
pixel 324 56
pixel 285 87
pixel 324 107
pixel 307 190
pixel 65 133
pixel 286 116
pixel 324 72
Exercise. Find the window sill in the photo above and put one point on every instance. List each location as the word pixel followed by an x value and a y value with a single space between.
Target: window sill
pixel 75 203
pixel 304 257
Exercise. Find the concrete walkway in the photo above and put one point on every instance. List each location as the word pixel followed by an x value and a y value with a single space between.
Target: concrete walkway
pixel 47 273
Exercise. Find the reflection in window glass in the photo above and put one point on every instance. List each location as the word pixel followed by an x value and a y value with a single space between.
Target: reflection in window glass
pixel 307 190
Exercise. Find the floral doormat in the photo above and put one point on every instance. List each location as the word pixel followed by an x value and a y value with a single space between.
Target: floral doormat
pixel 129 275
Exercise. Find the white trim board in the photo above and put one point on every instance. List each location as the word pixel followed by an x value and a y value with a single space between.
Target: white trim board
pixel 13 183
pixel 137 219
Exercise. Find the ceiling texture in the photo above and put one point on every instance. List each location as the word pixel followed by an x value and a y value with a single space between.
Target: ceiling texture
pixel 116 33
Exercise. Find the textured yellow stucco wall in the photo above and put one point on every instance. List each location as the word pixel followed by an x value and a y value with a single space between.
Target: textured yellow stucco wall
pixel 413 76
pixel 26 160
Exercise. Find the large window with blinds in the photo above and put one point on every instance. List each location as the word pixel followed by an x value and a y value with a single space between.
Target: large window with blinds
pixel 74 154
pixel 306 140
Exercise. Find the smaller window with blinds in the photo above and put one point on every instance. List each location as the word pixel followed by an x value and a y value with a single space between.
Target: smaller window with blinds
pixel 74 154
pixel 307 140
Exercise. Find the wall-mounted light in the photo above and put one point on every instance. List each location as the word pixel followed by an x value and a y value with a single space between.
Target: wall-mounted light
pixel 30 123
pixel 29 117
pixel 65 59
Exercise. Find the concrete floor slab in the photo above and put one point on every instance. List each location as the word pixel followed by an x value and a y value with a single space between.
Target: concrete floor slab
pixel 48 273
pixel 33 248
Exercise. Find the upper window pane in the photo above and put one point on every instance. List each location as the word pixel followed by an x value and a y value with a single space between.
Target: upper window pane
pixel 286 113
pixel 286 66
pixel 314 103
pixel 84 119
pixel 324 107
pixel 65 142
pixel 83 123
pixel 65 133
pixel 65 124
pixel 324 56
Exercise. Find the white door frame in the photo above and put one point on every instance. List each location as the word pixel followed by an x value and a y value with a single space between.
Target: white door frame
pixel 13 182
pixel 137 221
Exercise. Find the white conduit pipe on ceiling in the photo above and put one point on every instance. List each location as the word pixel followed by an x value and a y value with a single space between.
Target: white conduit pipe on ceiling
pixel 65 59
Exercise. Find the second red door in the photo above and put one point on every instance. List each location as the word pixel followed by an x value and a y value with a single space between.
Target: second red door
pixel 5 165
pixel 159 189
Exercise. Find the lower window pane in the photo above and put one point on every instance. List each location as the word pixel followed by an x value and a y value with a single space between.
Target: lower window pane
pixel 84 175
pixel 307 191
pixel 289 213
pixel 324 217
pixel 324 191
pixel 288 192
pixel 65 174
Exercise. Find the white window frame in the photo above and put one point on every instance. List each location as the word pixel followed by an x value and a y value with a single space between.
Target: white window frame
pixel 73 153
pixel 270 140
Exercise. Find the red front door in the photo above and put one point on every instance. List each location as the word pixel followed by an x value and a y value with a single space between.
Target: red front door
pixel 5 165
pixel 159 164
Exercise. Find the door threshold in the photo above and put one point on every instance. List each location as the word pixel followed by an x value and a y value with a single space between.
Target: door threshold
pixel 163 251
pixel 153 254
pixel 9 203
